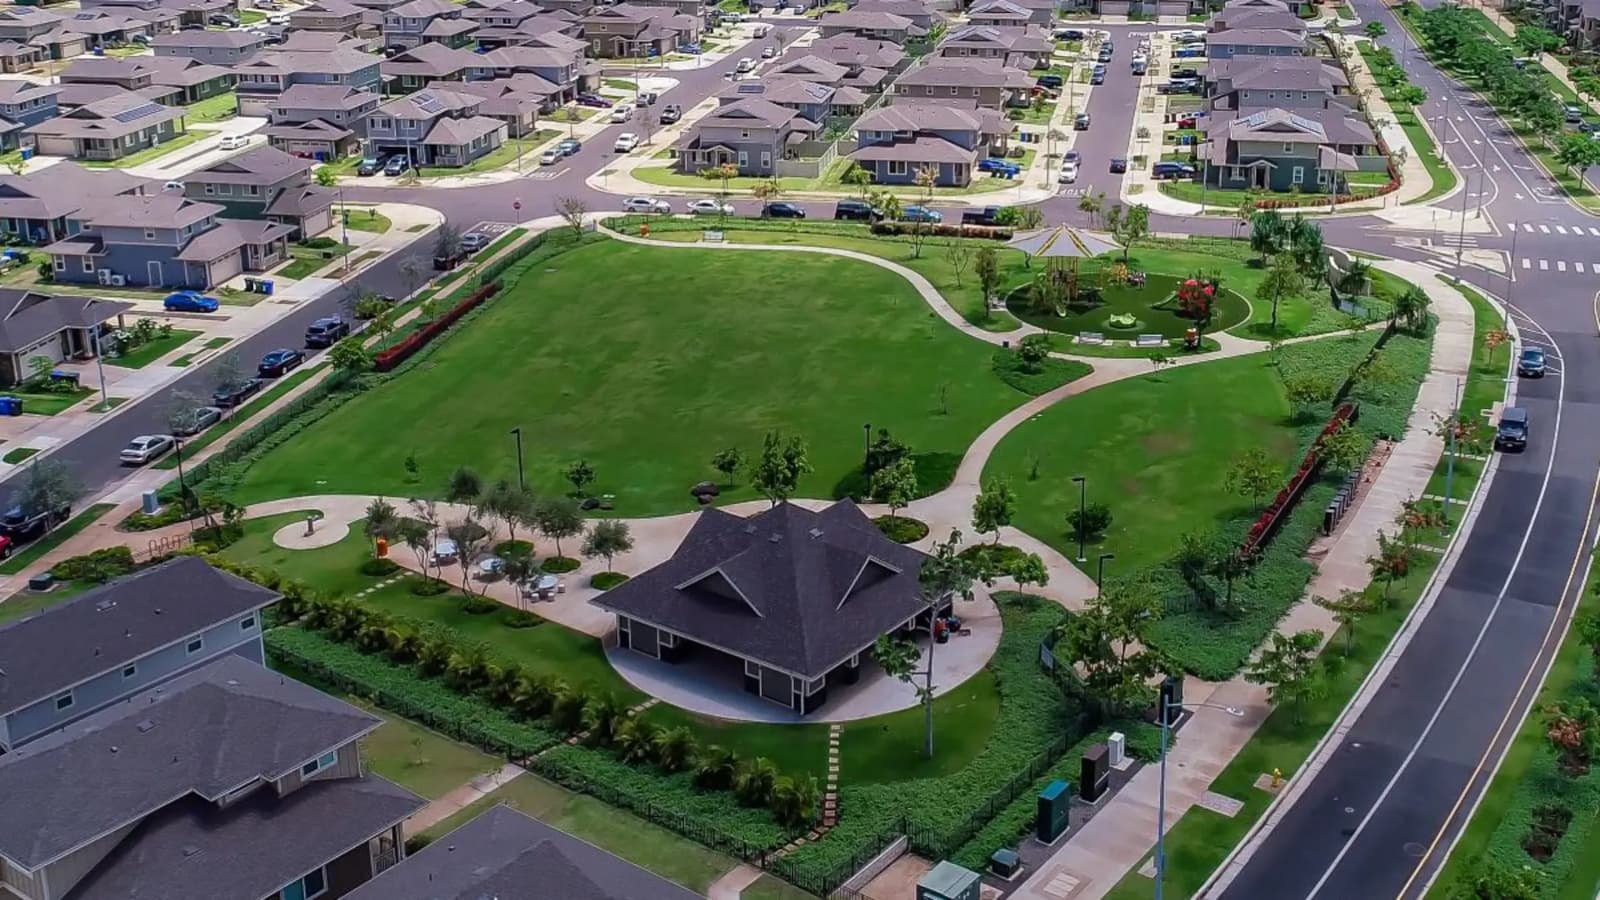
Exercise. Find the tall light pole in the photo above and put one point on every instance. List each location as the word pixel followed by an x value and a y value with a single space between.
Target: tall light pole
pixel 1450 461
pixel 100 366
pixel 1511 265
pixel 1100 571
pixel 517 433
pixel 866 442
pixel 1161 801
pixel 1083 498
pixel 344 225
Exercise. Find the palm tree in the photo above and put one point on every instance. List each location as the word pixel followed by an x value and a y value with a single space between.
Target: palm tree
pixel 1357 279
pixel 533 696
pixel 567 705
pixel 602 717
pixel 675 747
pixel 1090 204
pixel 634 739
pixel 794 800
pixel 754 781
pixel 433 654
pixel 1411 309
pixel 714 767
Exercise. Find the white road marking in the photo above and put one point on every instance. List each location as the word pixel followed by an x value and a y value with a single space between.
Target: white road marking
pixel 1560 230
pixel 1526 264
pixel 1544 265
pixel 1544 229
pixel 1561 265
pixel 1578 267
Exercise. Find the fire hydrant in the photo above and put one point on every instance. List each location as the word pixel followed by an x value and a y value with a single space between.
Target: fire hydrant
pixel 644 229
pixel 1277 778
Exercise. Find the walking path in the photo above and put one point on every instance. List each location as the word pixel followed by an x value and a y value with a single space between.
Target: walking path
pixel 1094 859
pixel 461 798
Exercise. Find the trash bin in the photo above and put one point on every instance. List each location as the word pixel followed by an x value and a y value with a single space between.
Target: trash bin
pixel 10 406
pixel 250 284
pixel 27 153
pixel 266 286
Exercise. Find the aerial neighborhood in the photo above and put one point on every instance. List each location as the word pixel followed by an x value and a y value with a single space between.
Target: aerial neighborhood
pixel 798 449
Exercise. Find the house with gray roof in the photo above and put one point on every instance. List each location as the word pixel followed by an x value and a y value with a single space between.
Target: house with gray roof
pixel 219 48
pixel 23 103
pixel 628 30
pixel 999 14
pixel 1254 42
pixel 1280 149
pixel 898 141
pixel 517 101
pixel 17 57
pixel 226 780
pixel 168 80
pixel 34 206
pixel 501 852
pixel 427 21
pixel 868 62
pixel 264 77
pixel 411 69
pixel 881 26
pixel 1290 82
pixel 1019 48
pixel 561 68
pixel 964 81
pixel 109 128
pixel 794 599
pixel 336 16
pixel 266 183
pixel 444 128
pixel 320 121
pixel 918 12
pixel 59 327
pixel 752 133
pixel 816 101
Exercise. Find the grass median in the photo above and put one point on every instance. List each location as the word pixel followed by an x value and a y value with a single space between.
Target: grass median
pixel 242 414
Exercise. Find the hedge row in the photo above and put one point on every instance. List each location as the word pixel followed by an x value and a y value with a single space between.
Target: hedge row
pixel 393 356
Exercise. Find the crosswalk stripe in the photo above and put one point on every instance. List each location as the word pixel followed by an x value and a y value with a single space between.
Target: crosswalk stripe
pixel 1578 267
pixel 1545 229
pixel 1560 230
pixel 1561 265
pixel 1595 232
pixel 1527 227
pixel 1544 265
pixel 1526 264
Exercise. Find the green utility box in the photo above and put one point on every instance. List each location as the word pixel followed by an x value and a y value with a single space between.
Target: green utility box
pixel 948 881
pixel 1055 802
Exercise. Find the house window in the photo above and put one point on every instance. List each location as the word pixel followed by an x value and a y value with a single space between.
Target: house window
pixel 225 189
pixel 247 623
pixel 64 701
pixel 325 761
pixel 744 159
pixel 149 234
pixel 954 90
pixel 1299 175
pixel 1288 148
pixel 1322 176
pixel 766 160
pixel 313 884
pixel 88 264
pixel 61 264
pixel 251 190
pixel 744 134
pixel 129 672
pixel 897 167
pixel 1245 94
pixel 194 646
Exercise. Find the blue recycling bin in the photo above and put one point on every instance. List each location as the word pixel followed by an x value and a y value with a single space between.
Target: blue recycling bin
pixel 266 286
pixel 27 153
pixel 10 406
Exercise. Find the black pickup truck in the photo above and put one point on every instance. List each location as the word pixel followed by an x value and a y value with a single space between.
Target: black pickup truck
pixel 989 215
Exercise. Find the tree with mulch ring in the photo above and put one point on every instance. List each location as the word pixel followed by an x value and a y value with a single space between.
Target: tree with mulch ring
pixel 605 581
pixel 558 565
pixel 379 566
pixel 426 587
pixel 507 549
pixel 902 529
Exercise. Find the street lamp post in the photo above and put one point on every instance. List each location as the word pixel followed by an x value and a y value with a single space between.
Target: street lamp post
pixel 1083 497
pixel 344 225
pixel 183 486
pixel 1161 800
pixel 1511 265
pixel 1100 571
pixel 1450 461
pixel 521 480
pixel 866 442
pixel 100 366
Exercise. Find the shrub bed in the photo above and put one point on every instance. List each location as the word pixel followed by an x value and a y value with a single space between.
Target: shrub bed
pixel 559 565
pixel 426 587
pixel 902 529
pixel 520 618
pixel 379 567
pixel 98 566
pixel 480 606
pixel 416 340
pixel 1047 375
pixel 605 581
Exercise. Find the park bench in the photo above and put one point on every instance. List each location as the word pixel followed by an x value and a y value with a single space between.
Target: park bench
pixel 1091 337
pixel 1150 340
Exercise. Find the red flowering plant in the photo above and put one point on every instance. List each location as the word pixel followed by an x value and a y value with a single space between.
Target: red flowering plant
pixel 1197 298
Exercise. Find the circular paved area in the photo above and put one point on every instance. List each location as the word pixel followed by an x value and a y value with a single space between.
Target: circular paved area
pixel 711 684
pixel 293 536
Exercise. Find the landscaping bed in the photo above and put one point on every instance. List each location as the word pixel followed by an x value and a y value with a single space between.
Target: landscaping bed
pixel 1121 310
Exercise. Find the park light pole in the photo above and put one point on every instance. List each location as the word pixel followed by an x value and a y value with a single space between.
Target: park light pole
pixel 1083 497
pixel 521 480
pixel 1167 708
pixel 1100 571
pixel 866 442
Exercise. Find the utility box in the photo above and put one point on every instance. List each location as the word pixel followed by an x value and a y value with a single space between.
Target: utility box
pixel 149 504
pixel 1171 702
pixel 1055 803
pixel 948 881
pixel 1096 773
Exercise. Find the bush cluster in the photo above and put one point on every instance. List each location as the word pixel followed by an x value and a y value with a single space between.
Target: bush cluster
pixel 378 567
pixel 99 566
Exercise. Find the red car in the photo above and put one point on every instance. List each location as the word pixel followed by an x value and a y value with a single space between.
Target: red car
pixel 1186 122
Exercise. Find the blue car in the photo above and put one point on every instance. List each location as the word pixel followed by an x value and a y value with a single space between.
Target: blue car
pixel 190 301
pixel 691 49
pixel 990 164
pixel 921 214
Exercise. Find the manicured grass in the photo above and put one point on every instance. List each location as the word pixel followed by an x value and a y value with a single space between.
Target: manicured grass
pixel 1485 387
pixel 793 749
pixel 149 154
pixel 1228 199
pixel 685 349
pixel 48 403
pixel 31 553
pixel 306 260
pixel 251 16
pixel 147 353
pixel 18 454
pixel 502 156
pixel 366 220
pixel 1422 144
pixel 890 747
pixel 424 762
pixel 628 836
pixel 26 602
pixel 108 404
pixel 769 888
pixel 215 108
pixel 1153 306
pixel 241 414
pixel 620 84
pixel 214 343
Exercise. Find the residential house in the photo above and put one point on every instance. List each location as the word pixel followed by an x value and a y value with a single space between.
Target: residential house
pixel 1254 42
pixel 427 21
pixel 265 77
pixel 1576 20
pixel 868 62
pixel 23 103
pixel 434 128
pixel 810 68
pixel 163 240
pixel 694 9
pixel 59 43
pixel 266 183
pixel 60 327
pixel 577 8
pixel 411 69
pixel 321 42
pixel 1019 48
pixel 502 853
pixel 23 24
pixel 220 48
pixel 1282 150
pixel 1236 18
pixel 1289 82
pixel 169 80
pixel 321 121
pixel 964 81
pixel 1034 12
pixel 34 206
pixel 207 760
pixel 560 69
pixel 793 599
pixel 15 57
pixel 116 126
pixel 535 30
pixel 814 101
pixel 917 12
pixel 502 15
pixel 516 101
pixel 874 25
pixel 753 134
pixel 626 30
pixel 113 29
pixel 334 16
pixel 898 141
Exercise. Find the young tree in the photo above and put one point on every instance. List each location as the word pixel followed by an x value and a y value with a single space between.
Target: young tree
pixel 1287 666
pixel 794 800
pixel 448 241
pixel 1028 569
pixel 571 117
pixel 1344 449
pixel 182 410
pixel 728 461
pixel 857 177
pixel 1391 563
pixel 465 486
pixel 1348 609
pixel 1268 233
pixel 325 177
pixel 1283 281
pixel 557 518
pixel 48 487
pixel 1107 661
pixel 986 264
pixel 581 474
pixel 381 520
pixel 1254 474
pixel 573 211
pixel 767 192
pixel 350 355
pixel 1091 205
pixel 958 253
pixel 413 272
pixel 1306 391
pixel 510 503
pixel 471 539
pixel 1411 307
pixel 994 507
pixel 228 373
pixel 1305 243
pixel 724 173
pixel 1033 350
pixel 1091 521
pixel 895 485
pixel 1536 40
pixel 1577 152
pixel 1135 225
pixel 777 473
pixel 1030 218
pixel 607 538
pixel 1376 30
pixel 418 538
pixel 1357 278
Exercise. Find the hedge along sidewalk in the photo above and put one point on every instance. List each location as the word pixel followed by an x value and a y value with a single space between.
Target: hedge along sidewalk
pixel 1121 835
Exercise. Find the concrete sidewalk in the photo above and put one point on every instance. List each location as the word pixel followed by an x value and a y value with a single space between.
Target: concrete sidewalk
pixel 1121 835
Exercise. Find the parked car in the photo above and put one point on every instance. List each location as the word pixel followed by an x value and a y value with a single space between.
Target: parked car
pixel 550 157
pixel 229 396
pixel 473 241
pixel 693 49
pixel 1513 431
pixel 1530 363
pixel 22 526
pixel 999 166
pixel 647 98
pixel 1081 122
pixel 369 165
pixel 1069 34
pixel 397 165
pixel 221 20
pixel 569 146
pixel 1097 77
pixel 1049 80
pixel 989 215
pixel 1140 68
pixel 783 209
pixel 325 331
pixel 190 301
pixel 444 262
pixel 621 113
pixel 140 39
pixel 706 207
pixel 745 65
pixel 857 211
pixel 235 141
pixel 921 214
pixel 1573 114
pixel 1119 165
pixel 1072 156
pixel 626 141
pixel 278 19
pixel 146 447
pixel 1169 170
pixel 647 205
pixel 769 52
pixel 279 362
pixel 1069 172
pixel 671 113
pixel 196 420
pixel 1188 122
pixel 593 100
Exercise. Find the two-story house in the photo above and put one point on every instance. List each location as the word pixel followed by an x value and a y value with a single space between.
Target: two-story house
pixel 880 26
pixel 335 16
pixel 627 30
pixel 109 128
pixel 1289 82
pixel 509 14
pixel 558 68
pixel 899 141
pixel 576 8
pixel 103 28
pixel 266 183
pixel 868 63
pixel 1254 42
pixel 517 101
pixel 964 81
pixel 320 121
pixel 15 57
pixel 174 764
pixel 1019 48
pixel 264 78
pixel 34 205
pixel 1035 12
pixel 753 134
pixel 532 30
pixel 219 48
pixel 434 128
pixel 169 80
pixel 917 12
pixel 694 9
pixel 815 101
pixel 410 69
pixel 25 25
pixel 1278 149
pixel 163 240
pixel 427 21
pixel 23 103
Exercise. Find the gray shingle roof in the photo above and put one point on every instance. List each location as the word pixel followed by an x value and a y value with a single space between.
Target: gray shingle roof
pixel 261 166
pixel 503 853
pixel 795 589
pixel 455 132
pixel 47 653
pixel 60 189
pixel 27 317
pixel 208 732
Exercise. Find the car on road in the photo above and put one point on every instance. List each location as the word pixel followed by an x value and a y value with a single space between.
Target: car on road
pixel 369 165
pixel 593 100
pixel 646 98
pixel 1072 156
pixel 769 52
pixel 231 395
pixel 21 526
pixel 279 362
pixel 626 141
pixel 647 205
pixel 1512 433
pixel 989 215
pixel 783 209
pixel 1573 114
pixel 857 211
pixel 397 165
pixel 569 146
pixel 1069 34
pixel 1069 172
pixel 621 113
pixel 326 330
pixel 1119 165
pixel 1530 363
pixel 745 65
pixel 190 301
pixel 999 166
pixel 1081 122
pixel 550 157
pixel 921 214
pixel 706 207
pixel 234 141
pixel 1104 55
pixel 473 241
pixel 146 447
pixel 670 113
pixel 196 420
pixel 1171 170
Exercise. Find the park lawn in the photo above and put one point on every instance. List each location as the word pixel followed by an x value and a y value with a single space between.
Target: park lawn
pixel 504 155
pixel 240 414
pixel 149 154
pixel 147 353
pixel 251 16
pixel 1153 448
pixel 1202 839
pixel 32 552
pixel 768 887
pixel 366 220
pixel 213 109
pixel 640 842
pixel 683 349
pixel 1149 305
pixel 669 176
pixel 421 761
pixel 1229 200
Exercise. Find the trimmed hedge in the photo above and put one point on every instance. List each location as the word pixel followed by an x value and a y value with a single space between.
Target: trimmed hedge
pixel 416 340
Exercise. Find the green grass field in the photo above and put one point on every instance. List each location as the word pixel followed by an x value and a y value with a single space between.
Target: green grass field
pixel 147 353
pixel 149 154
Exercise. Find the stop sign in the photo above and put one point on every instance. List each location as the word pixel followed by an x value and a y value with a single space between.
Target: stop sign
pixel 516 204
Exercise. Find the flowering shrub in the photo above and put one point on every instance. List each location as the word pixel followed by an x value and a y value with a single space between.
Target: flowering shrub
pixel 1196 297
pixel 415 341
pixel 1261 530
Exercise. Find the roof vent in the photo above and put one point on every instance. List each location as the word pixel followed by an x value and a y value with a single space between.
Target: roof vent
pixel 816 532
pixel 232 682
pixel 774 537
pixel 145 726
pixel 190 850
pixel 113 748
pixel 158 610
